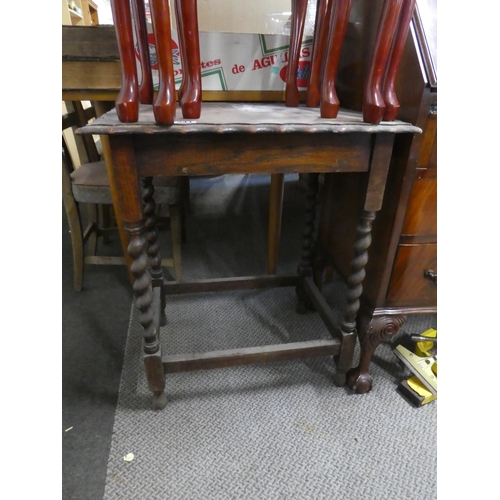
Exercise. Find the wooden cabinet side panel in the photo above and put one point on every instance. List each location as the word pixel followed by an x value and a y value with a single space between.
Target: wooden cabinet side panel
pixel 421 213
pixel 408 285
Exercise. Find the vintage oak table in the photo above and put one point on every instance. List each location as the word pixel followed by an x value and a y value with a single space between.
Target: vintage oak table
pixel 236 138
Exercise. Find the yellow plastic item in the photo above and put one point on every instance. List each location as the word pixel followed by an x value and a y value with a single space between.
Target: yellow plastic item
pixel 422 348
pixel 417 386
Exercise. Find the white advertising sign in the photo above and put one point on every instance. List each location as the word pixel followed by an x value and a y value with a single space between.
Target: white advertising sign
pixel 240 61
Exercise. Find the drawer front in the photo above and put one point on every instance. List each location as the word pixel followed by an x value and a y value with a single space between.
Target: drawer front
pixel 408 286
pixel 421 212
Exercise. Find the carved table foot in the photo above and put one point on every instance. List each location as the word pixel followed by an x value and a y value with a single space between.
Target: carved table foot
pixel 372 332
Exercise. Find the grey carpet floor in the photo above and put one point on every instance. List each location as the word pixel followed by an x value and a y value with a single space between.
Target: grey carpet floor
pixel 273 431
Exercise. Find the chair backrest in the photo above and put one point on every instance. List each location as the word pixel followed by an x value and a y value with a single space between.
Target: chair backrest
pixel 77 149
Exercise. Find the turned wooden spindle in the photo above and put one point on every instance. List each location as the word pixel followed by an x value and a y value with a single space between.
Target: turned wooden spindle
pixel 144 301
pixel 357 272
pixel 373 101
pixel 127 101
pixel 150 229
pixel 165 102
pixel 141 35
pixel 151 236
pixel 137 249
pixel 329 105
pixel 321 23
pixel 403 27
pixel 189 44
pixel 298 19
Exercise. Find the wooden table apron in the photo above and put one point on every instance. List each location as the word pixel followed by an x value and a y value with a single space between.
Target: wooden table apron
pixel 236 138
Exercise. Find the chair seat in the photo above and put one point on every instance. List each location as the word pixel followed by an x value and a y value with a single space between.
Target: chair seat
pixel 90 184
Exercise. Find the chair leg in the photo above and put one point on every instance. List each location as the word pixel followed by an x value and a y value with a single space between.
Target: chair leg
pixel 175 228
pixel 106 222
pixel 75 227
pixel 91 233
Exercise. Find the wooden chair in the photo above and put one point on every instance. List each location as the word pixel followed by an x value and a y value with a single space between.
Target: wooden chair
pixel 88 184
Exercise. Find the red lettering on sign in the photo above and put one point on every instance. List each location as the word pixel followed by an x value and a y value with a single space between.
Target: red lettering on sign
pixel 303 73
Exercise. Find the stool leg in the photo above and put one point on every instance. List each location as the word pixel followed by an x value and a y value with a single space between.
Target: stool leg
pixel 299 9
pixel 187 25
pixel 127 101
pixel 321 23
pixel 329 105
pixel 390 98
pixel 373 103
pixel 141 34
pixel 165 102
pixel 144 301
pixel 372 331
pixel 305 265
pixel 182 48
pixel 354 291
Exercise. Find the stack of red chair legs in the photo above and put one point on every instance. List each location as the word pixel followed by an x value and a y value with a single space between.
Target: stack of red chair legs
pixel 379 101
pixel 132 92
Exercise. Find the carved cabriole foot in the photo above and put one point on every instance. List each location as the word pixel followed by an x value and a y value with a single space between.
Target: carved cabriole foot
pixel 390 98
pixel 146 91
pixel 292 94
pixel 305 265
pixel 127 101
pixel 143 292
pixel 339 18
pixel 164 104
pixel 190 91
pixel 373 101
pixel 372 332
pixel 151 236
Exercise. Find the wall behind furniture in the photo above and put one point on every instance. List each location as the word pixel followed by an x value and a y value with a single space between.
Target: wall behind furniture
pixel 256 16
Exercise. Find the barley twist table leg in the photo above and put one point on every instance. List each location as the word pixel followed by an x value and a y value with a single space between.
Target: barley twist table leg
pixel 354 291
pixel 144 302
pixel 305 265
pixel 151 235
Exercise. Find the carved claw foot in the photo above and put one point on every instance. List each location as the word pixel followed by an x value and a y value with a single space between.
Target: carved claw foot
pixel 372 332
pixel 360 383
pixel 159 400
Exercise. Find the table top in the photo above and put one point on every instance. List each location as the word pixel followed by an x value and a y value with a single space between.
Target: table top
pixel 231 117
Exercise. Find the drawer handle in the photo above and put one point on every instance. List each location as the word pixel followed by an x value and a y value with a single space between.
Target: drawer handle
pixel 431 275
